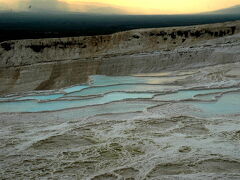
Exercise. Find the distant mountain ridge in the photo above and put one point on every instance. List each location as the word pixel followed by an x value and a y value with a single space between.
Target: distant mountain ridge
pixel 231 10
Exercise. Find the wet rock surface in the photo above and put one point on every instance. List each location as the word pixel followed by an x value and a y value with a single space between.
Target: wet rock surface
pixel 180 124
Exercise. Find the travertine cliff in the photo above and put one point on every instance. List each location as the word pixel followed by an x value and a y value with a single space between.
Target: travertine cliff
pixel 54 63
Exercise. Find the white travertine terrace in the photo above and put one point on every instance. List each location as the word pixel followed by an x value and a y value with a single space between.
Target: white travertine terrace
pixel 174 125
pixel 173 115
pixel 54 63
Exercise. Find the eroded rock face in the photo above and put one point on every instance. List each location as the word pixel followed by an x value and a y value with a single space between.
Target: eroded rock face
pixel 54 63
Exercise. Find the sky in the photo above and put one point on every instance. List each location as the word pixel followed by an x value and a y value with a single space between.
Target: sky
pixel 119 6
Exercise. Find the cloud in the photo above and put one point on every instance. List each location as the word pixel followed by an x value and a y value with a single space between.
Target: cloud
pixel 105 10
pixel 43 5
pixel 3 7
pixel 8 5
pixel 96 8
pixel 59 6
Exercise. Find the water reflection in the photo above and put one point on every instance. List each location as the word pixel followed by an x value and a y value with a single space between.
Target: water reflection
pixel 34 106
pixel 225 105
pixel 106 89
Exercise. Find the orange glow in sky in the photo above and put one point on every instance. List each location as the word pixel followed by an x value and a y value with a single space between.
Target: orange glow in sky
pixel 130 6
pixel 164 6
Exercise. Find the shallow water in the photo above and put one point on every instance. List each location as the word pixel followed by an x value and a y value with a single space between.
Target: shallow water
pixel 125 127
pixel 192 94
pixel 75 88
pixel 225 105
pixel 114 80
pixel 39 98
pixel 34 106
pixel 108 90
pixel 123 88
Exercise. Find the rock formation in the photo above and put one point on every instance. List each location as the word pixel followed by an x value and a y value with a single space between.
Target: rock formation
pixel 54 63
